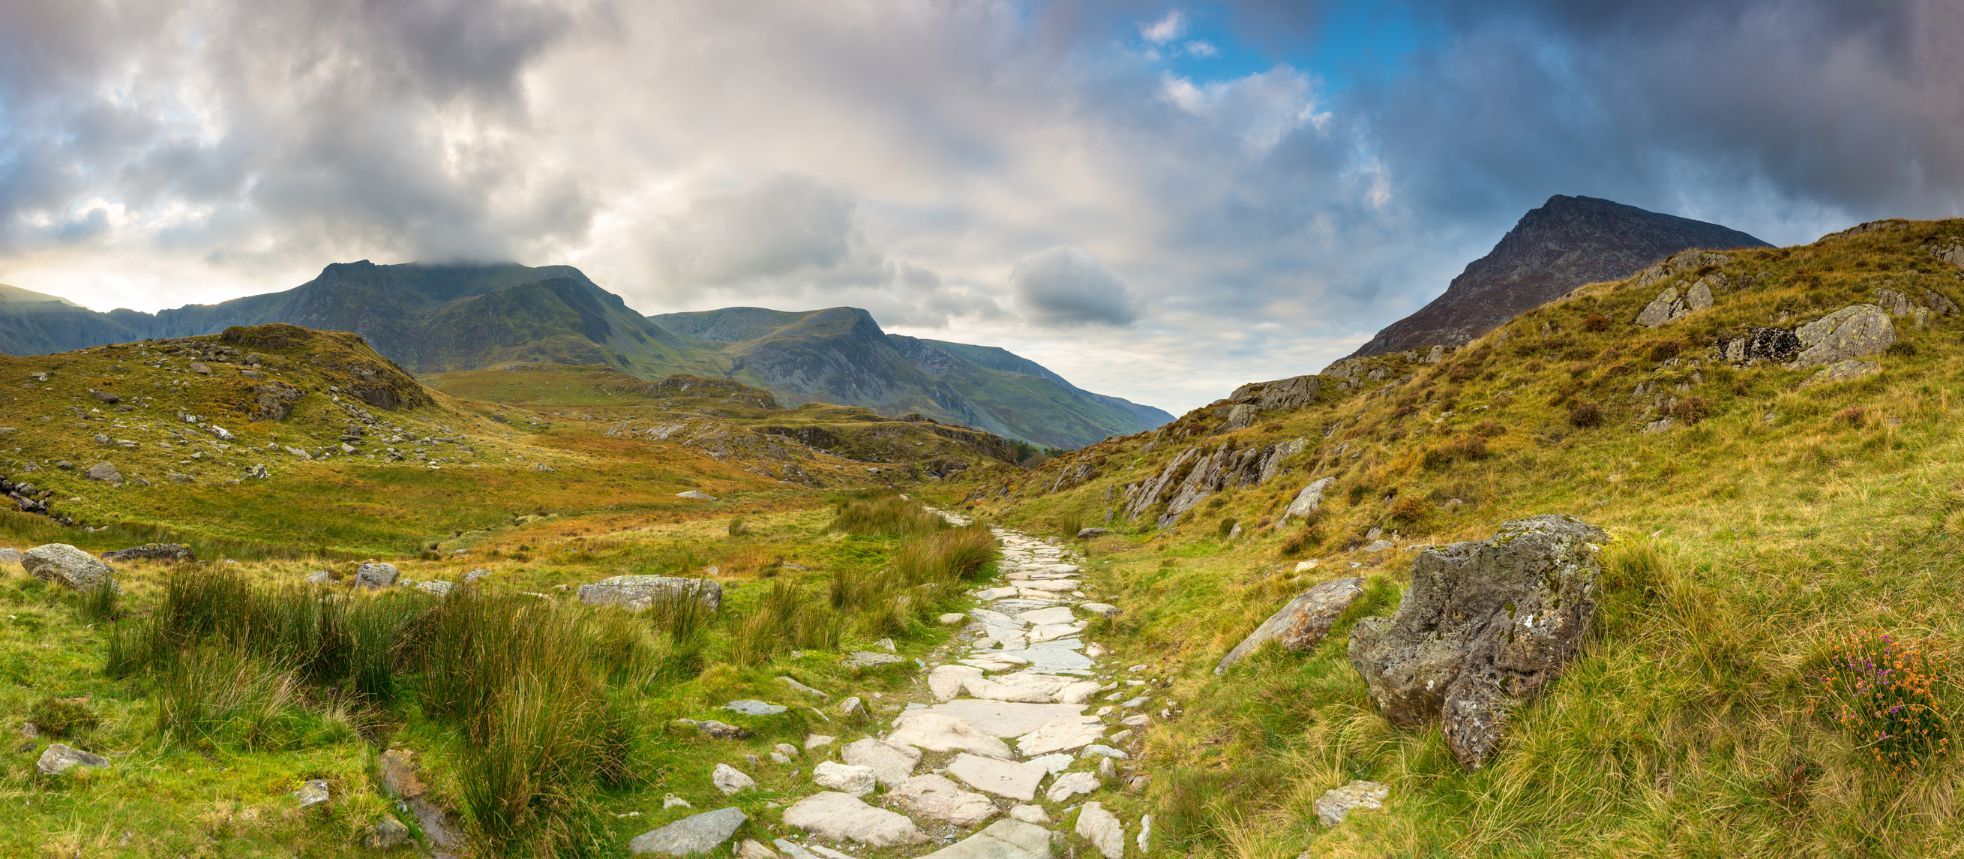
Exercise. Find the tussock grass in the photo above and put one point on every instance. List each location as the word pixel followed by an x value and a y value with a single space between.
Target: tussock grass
pixel 884 515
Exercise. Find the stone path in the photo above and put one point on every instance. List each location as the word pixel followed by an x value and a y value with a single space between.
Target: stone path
pixel 1017 735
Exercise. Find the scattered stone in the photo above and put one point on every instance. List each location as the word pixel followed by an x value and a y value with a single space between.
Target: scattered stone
pixel 320 577
pixel 1030 814
pixel 869 659
pixel 1145 821
pixel 670 800
pixel 638 593
pixel 10 556
pixel 890 764
pixel 696 495
pixel 104 472
pixel 1300 625
pixel 731 780
pixel 168 552
pixel 750 849
pixel 1856 331
pixel 1092 533
pixel 843 817
pixel 105 397
pixel 376 575
pixel 1105 610
pixel 713 728
pixel 853 708
pixel 946 681
pixel 802 689
pixel 1483 626
pixel 473 576
pixel 845 778
pixel 1102 829
pixel 938 798
pixel 1072 784
pixel 60 758
pixel 438 588
pixel 387 834
pixel 818 741
pixel 1333 806
pixel 691 836
pixel 63 564
pixel 313 792
pixel 754 708
pixel 200 368
pixel 952 618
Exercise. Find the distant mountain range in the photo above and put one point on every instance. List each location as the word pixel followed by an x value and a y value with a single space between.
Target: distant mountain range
pixel 1566 243
pixel 436 318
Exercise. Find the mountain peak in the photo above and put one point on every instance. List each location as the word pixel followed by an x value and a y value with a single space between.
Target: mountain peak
pixel 1564 243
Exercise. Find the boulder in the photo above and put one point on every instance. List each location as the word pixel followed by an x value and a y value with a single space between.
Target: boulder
pixel 1857 331
pixel 1664 308
pixel 843 817
pixel 1300 625
pixel 272 401
pixel 731 780
pixel 638 593
pixel 1484 626
pixel 374 575
pixel 697 835
pixel 169 552
pixel 938 798
pixel 311 793
pixel 1952 253
pixel 104 472
pixel 1294 392
pixel 1335 804
pixel 1102 829
pixel 66 565
pixel 58 759
pixel 1770 345
pixel 1307 501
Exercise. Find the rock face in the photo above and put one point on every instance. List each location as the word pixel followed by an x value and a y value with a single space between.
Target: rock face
pixel 66 565
pixel 637 593
pixel 1566 243
pixel 1770 345
pixel 1300 625
pixel 1294 392
pixel 1196 474
pixel 1857 331
pixel 690 836
pixel 1484 626
pixel 843 817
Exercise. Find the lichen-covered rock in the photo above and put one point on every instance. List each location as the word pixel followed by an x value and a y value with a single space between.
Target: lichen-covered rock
pixel 373 575
pixel 66 565
pixel 1300 625
pixel 1484 626
pixel 1856 331
pixel 1337 803
pixel 1770 345
pixel 637 593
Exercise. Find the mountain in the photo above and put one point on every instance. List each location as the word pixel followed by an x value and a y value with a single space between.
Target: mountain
pixel 1566 243
pixel 438 318
pixel 841 355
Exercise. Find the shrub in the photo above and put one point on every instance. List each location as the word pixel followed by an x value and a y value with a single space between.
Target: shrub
pixel 1665 350
pixel 739 528
pixel 1881 690
pixel 1585 415
pixel 1472 449
pixel 63 717
pixel 1227 527
pixel 1595 322
pixel 1690 410
pixel 884 516
pixel 1409 510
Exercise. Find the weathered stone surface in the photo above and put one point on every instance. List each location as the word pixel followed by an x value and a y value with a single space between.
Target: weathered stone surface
pixel 1005 718
pixel 731 780
pixel 63 564
pixel 845 778
pixel 387 834
pixel 1664 308
pixel 946 681
pixel 1102 829
pixel 1334 805
pixel 104 472
pixel 938 798
pixel 1061 735
pixel 1294 392
pixel 1030 814
pixel 750 849
pixel 1003 778
pixel 871 659
pixel 311 793
pixel 638 593
pixel 1307 501
pixel 374 575
pixel 1092 533
pixel 935 732
pixel 1483 626
pixel 1770 345
pixel 713 728
pixel 1856 331
pixel 890 764
pixel 843 817
pixel 1300 625
pixel 690 836
pixel 59 758
pixel 399 777
pixel 170 552
pixel 1004 839
pixel 10 555
pixel 695 495
pixel 1072 784
pixel 749 707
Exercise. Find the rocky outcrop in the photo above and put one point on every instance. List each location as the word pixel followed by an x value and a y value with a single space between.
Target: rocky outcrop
pixel 1670 306
pixel 1857 331
pixel 1952 253
pixel 1073 476
pixel 1301 624
pixel 1769 345
pixel 66 565
pixel 1294 392
pixel 1306 502
pixel 637 593
pixel 1484 626
pixel 272 401
pixel 166 552
pixel 1197 473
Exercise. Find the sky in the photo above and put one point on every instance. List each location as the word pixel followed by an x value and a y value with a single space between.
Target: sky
pixel 1157 200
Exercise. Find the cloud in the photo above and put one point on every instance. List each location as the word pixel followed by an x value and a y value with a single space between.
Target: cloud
pixel 1166 28
pixel 1066 286
pixel 783 225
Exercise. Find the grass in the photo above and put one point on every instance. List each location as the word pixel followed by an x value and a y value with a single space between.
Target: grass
pixel 1773 520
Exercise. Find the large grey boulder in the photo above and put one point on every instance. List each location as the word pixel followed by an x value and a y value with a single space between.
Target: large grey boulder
pixel 63 564
pixel 1484 626
pixel 373 575
pixel 691 836
pixel 1856 331
pixel 1301 624
pixel 637 593
pixel 1306 502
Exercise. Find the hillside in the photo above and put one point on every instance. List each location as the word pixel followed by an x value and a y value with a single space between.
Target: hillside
pixel 841 355
pixel 1567 242
pixel 438 318
pixel 1771 485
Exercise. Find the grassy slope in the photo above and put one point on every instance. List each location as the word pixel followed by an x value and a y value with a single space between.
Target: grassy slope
pixel 1740 545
